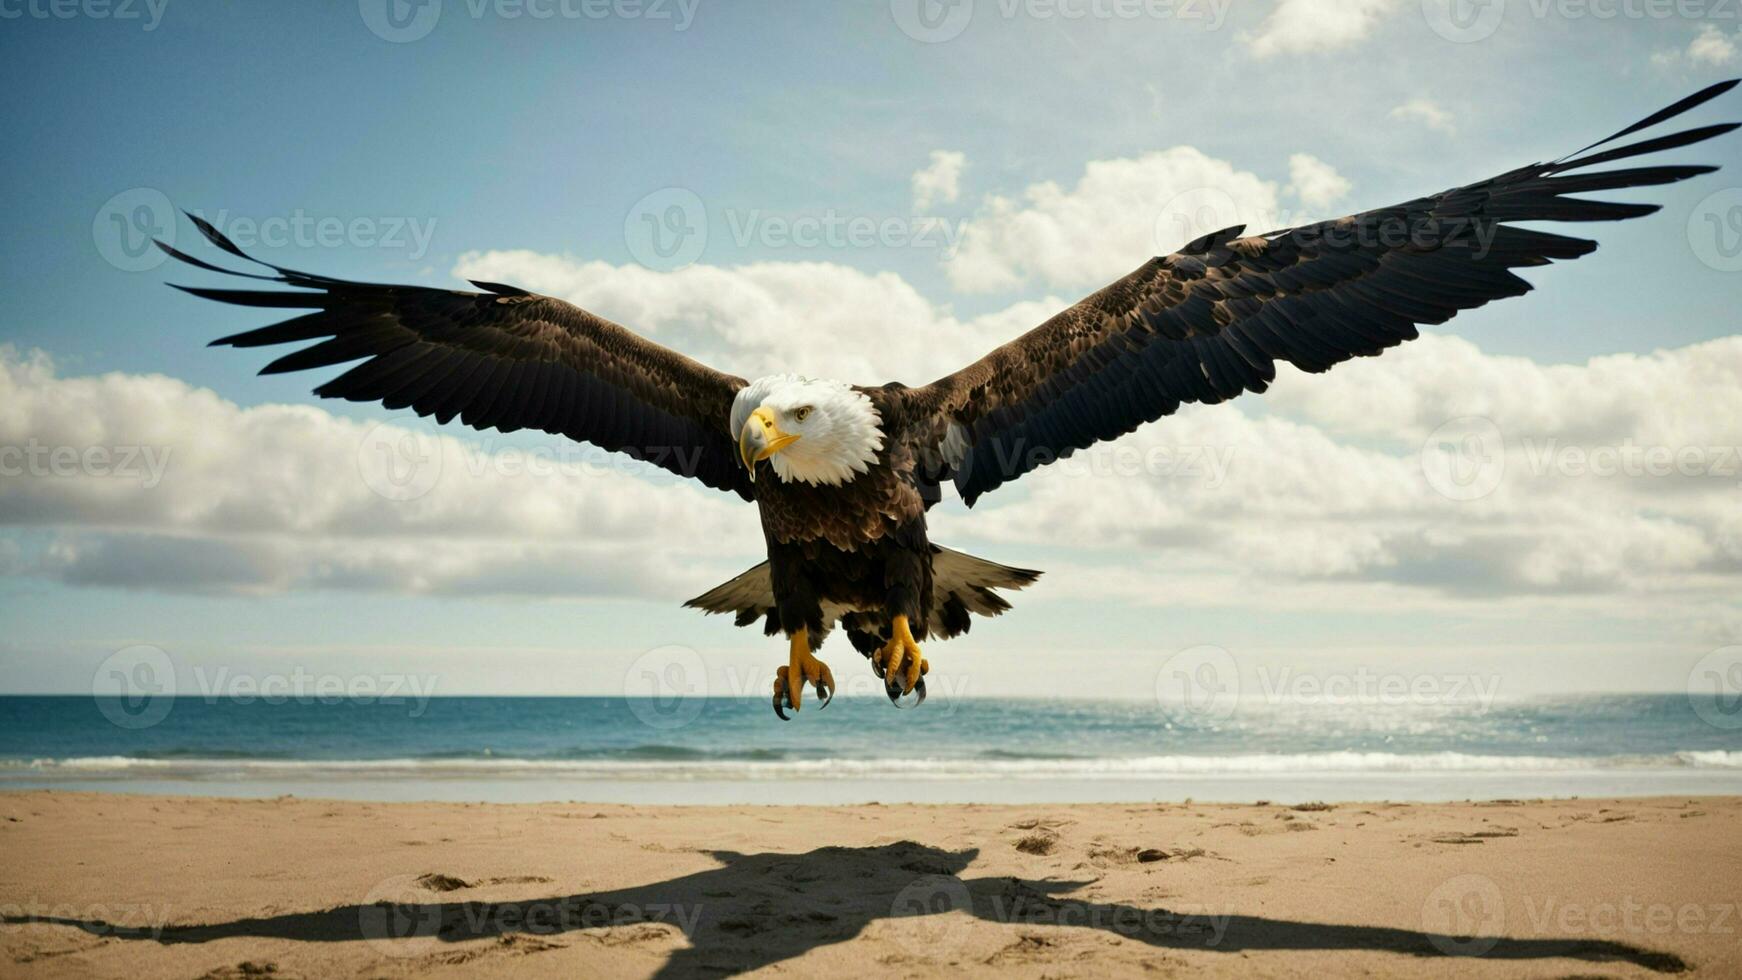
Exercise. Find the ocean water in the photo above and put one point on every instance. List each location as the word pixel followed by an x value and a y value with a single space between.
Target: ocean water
pixel 732 750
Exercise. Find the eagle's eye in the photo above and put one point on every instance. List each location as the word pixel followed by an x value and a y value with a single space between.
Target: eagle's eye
pixel 802 413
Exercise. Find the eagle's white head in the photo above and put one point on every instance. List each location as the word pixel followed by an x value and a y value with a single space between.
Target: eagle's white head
pixel 812 431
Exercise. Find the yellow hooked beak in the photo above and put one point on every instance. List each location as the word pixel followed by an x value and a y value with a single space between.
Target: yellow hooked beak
pixel 761 438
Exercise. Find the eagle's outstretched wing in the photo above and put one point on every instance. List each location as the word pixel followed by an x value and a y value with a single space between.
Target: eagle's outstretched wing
pixel 1209 322
pixel 504 359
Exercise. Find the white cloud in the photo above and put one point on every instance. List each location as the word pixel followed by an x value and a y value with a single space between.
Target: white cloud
pixel 1124 211
pixel 1616 478
pixel 1300 26
pixel 1426 112
pixel 939 181
pixel 1688 396
pixel 815 318
pixel 1315 183
pixel 192 493
pixel 1120 213
pixel 1712 47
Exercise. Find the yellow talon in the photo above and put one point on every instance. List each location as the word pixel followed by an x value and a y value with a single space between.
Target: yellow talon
pixel 902 655
pixel 801 668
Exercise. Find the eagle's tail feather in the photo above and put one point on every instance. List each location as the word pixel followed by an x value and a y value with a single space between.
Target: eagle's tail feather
pixel 961 584
pixel 749 595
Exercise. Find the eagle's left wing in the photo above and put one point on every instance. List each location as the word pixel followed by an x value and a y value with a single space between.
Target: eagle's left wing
pixel 1209 322
pixel 504 358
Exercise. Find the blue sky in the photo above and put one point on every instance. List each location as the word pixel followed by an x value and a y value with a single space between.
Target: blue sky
pixel 524 145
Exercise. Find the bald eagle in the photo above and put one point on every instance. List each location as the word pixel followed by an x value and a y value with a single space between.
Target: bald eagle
pixel 843 475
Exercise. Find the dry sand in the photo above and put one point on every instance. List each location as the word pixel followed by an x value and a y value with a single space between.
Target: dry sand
pixel 148 887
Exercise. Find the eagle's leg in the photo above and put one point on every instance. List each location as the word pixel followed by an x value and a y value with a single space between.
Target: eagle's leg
pixel 899 663
pixel 801 668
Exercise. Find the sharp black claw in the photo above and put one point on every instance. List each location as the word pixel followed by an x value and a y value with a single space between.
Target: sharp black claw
pixel 895 693
pixel 825 694
pixel 780 709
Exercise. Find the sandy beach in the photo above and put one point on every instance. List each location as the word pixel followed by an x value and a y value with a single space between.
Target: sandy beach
pixel 147 887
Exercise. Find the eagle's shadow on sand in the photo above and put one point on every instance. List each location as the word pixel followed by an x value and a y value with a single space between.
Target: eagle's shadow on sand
pixel 759 909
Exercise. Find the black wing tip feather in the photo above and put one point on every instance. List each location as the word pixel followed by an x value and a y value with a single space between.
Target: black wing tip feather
pixel 216 237
pixel 1540 192
pixel 1668 112
pixel 285 276
pixel 275 298
pixel 1700 134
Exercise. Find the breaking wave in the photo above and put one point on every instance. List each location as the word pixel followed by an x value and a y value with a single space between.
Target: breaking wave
pixel 670 763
